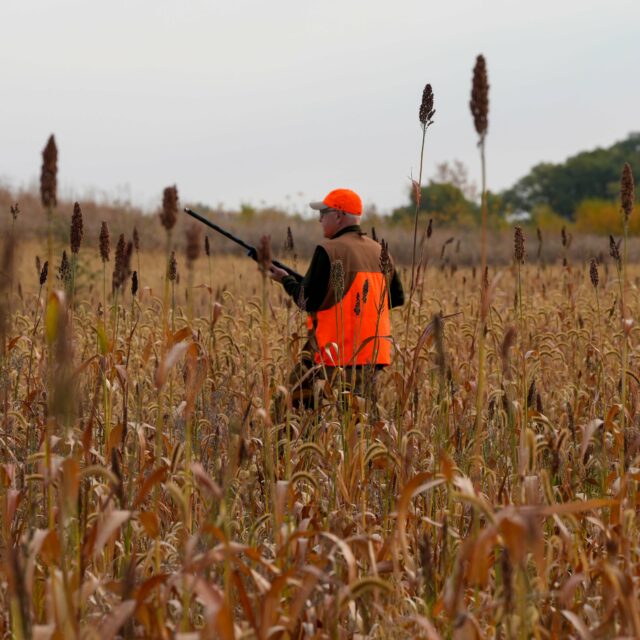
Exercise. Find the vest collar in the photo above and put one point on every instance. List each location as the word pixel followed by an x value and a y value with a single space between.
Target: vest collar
pixel 352 228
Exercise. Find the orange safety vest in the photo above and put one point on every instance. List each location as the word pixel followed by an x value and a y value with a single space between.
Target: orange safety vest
pixel 356 328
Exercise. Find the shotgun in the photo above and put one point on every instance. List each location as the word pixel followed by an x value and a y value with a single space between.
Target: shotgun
pixel 251 251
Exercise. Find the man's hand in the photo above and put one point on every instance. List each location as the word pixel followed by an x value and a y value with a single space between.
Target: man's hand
pixel 275 273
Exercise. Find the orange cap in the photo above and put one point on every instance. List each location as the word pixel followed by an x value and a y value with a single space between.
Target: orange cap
pixel 341 199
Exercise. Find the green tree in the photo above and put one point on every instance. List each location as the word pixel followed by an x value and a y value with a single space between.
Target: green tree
pixel 587 175
pixel 444 202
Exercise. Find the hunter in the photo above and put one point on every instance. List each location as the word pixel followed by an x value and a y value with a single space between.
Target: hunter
pixel 347 291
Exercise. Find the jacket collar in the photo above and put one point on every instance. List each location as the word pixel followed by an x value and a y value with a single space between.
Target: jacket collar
pixel 355 228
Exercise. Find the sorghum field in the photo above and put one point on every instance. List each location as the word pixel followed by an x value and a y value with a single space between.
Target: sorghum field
pixel 157 481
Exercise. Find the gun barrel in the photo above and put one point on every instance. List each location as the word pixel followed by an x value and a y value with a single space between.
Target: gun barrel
pixel 251 250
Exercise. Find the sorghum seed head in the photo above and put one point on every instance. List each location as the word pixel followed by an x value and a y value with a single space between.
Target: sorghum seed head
pixel 38 265
pixel 531 395
pixel 193 244
pixel 518 240
pixel 385 260
pixel 337 278
pixel 64 270
pixel 134 283
pixel 288 243
pixel 172 271
pixel 136 239
pixel 76 229
pixel 365 291
pixel 44 273
pixel 507 342
pixel 426 112
pixel 593 273
pixel 264 253
pixel 627 191
pixel 49 173
pixel 479 103
pixel 15 210
pixel 169 214
pixel 356 308
pixel 207 248
pixel 430 228
pixel 104 242
pixel 614 251
pixel 563 235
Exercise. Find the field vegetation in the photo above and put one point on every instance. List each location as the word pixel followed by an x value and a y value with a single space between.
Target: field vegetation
pixel 149 487
pixel 157 478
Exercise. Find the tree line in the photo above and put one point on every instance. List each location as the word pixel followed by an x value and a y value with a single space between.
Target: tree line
pixel 584 190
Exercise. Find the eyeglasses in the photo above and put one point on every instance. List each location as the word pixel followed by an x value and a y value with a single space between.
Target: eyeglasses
pixel 324 212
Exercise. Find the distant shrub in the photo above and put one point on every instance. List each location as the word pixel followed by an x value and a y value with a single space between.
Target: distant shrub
pixel 546 219
pixel 603 217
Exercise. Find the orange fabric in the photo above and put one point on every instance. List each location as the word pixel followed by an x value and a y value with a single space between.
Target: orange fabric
pixel 340 333
pixel 344 200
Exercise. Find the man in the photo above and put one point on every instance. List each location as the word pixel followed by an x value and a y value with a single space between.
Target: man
pixel 346 293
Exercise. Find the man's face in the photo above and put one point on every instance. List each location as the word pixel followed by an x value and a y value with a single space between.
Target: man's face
pixel 330 220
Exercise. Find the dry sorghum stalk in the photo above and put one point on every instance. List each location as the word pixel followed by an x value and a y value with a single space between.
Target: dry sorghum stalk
pixel 337 279
pixel 172 271
pixel 169 214
pixel 539 234
pixel 128 252
pixel 301 301
pixel 76 229
pixel 479 103
pixel 49 173
pixel 104 242
pixel 426 112
pixel 593 273
pixel 264 253
pixel 627 191
pixel 438 331
pixel 518 239
pixel 193 244
pixel 120 262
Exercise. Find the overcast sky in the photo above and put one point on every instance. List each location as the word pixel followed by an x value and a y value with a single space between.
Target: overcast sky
pixel 277 102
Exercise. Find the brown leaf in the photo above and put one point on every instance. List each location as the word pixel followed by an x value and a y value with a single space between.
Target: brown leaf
pixel 114 621
pixel 169 361
pixel 152 479
pixel 109 525
pixel 150 522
